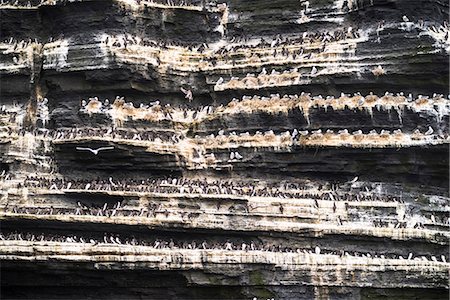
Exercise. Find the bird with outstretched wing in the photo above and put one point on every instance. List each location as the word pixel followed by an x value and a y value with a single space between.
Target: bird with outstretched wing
pixel 94 151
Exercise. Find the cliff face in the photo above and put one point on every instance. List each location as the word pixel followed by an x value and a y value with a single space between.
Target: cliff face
pixel 225 149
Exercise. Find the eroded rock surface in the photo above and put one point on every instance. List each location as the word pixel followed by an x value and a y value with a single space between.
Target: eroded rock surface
pixel 224 149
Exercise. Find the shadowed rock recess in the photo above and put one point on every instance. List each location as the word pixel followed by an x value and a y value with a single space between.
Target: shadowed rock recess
pixel 229 149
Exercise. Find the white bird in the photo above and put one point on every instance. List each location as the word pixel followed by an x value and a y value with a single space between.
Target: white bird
pixel 231 155
pixel 188 94
pixel 354 180
pixel 219 81
pixel 306 4
pixel 317 250
pixel 237 155
pixel 112 182
pixel 304 132
pixel 410 256
pixel 429 131
pixel 405 19
pixel 314 70
pixel 95 151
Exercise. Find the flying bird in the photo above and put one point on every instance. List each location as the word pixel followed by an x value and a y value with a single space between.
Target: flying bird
pixel 95 151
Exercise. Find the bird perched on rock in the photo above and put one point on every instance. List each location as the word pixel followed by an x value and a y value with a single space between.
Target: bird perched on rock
pixel 378 71
pixel 231 155
pixel 354 180
pixel 237 155
pixel 304 132
pixel 219 81
pixel 317 250
pixel 429 131
pixel 188 94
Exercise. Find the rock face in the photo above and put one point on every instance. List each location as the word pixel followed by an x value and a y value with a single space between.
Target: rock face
pixel 224 149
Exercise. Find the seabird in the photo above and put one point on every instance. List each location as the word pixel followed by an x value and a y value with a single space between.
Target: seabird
pixel 354 180
pixel 429 131
pixel 111 181
pixel 237 155
pixel 304 132
pixel 94 151
pixel 306 4
pixel 316 203
pixel 219 81
pixel 231 155
pixel 405 19
pixel 188 94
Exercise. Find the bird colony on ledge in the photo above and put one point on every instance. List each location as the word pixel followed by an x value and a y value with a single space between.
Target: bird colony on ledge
pixel 224 149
